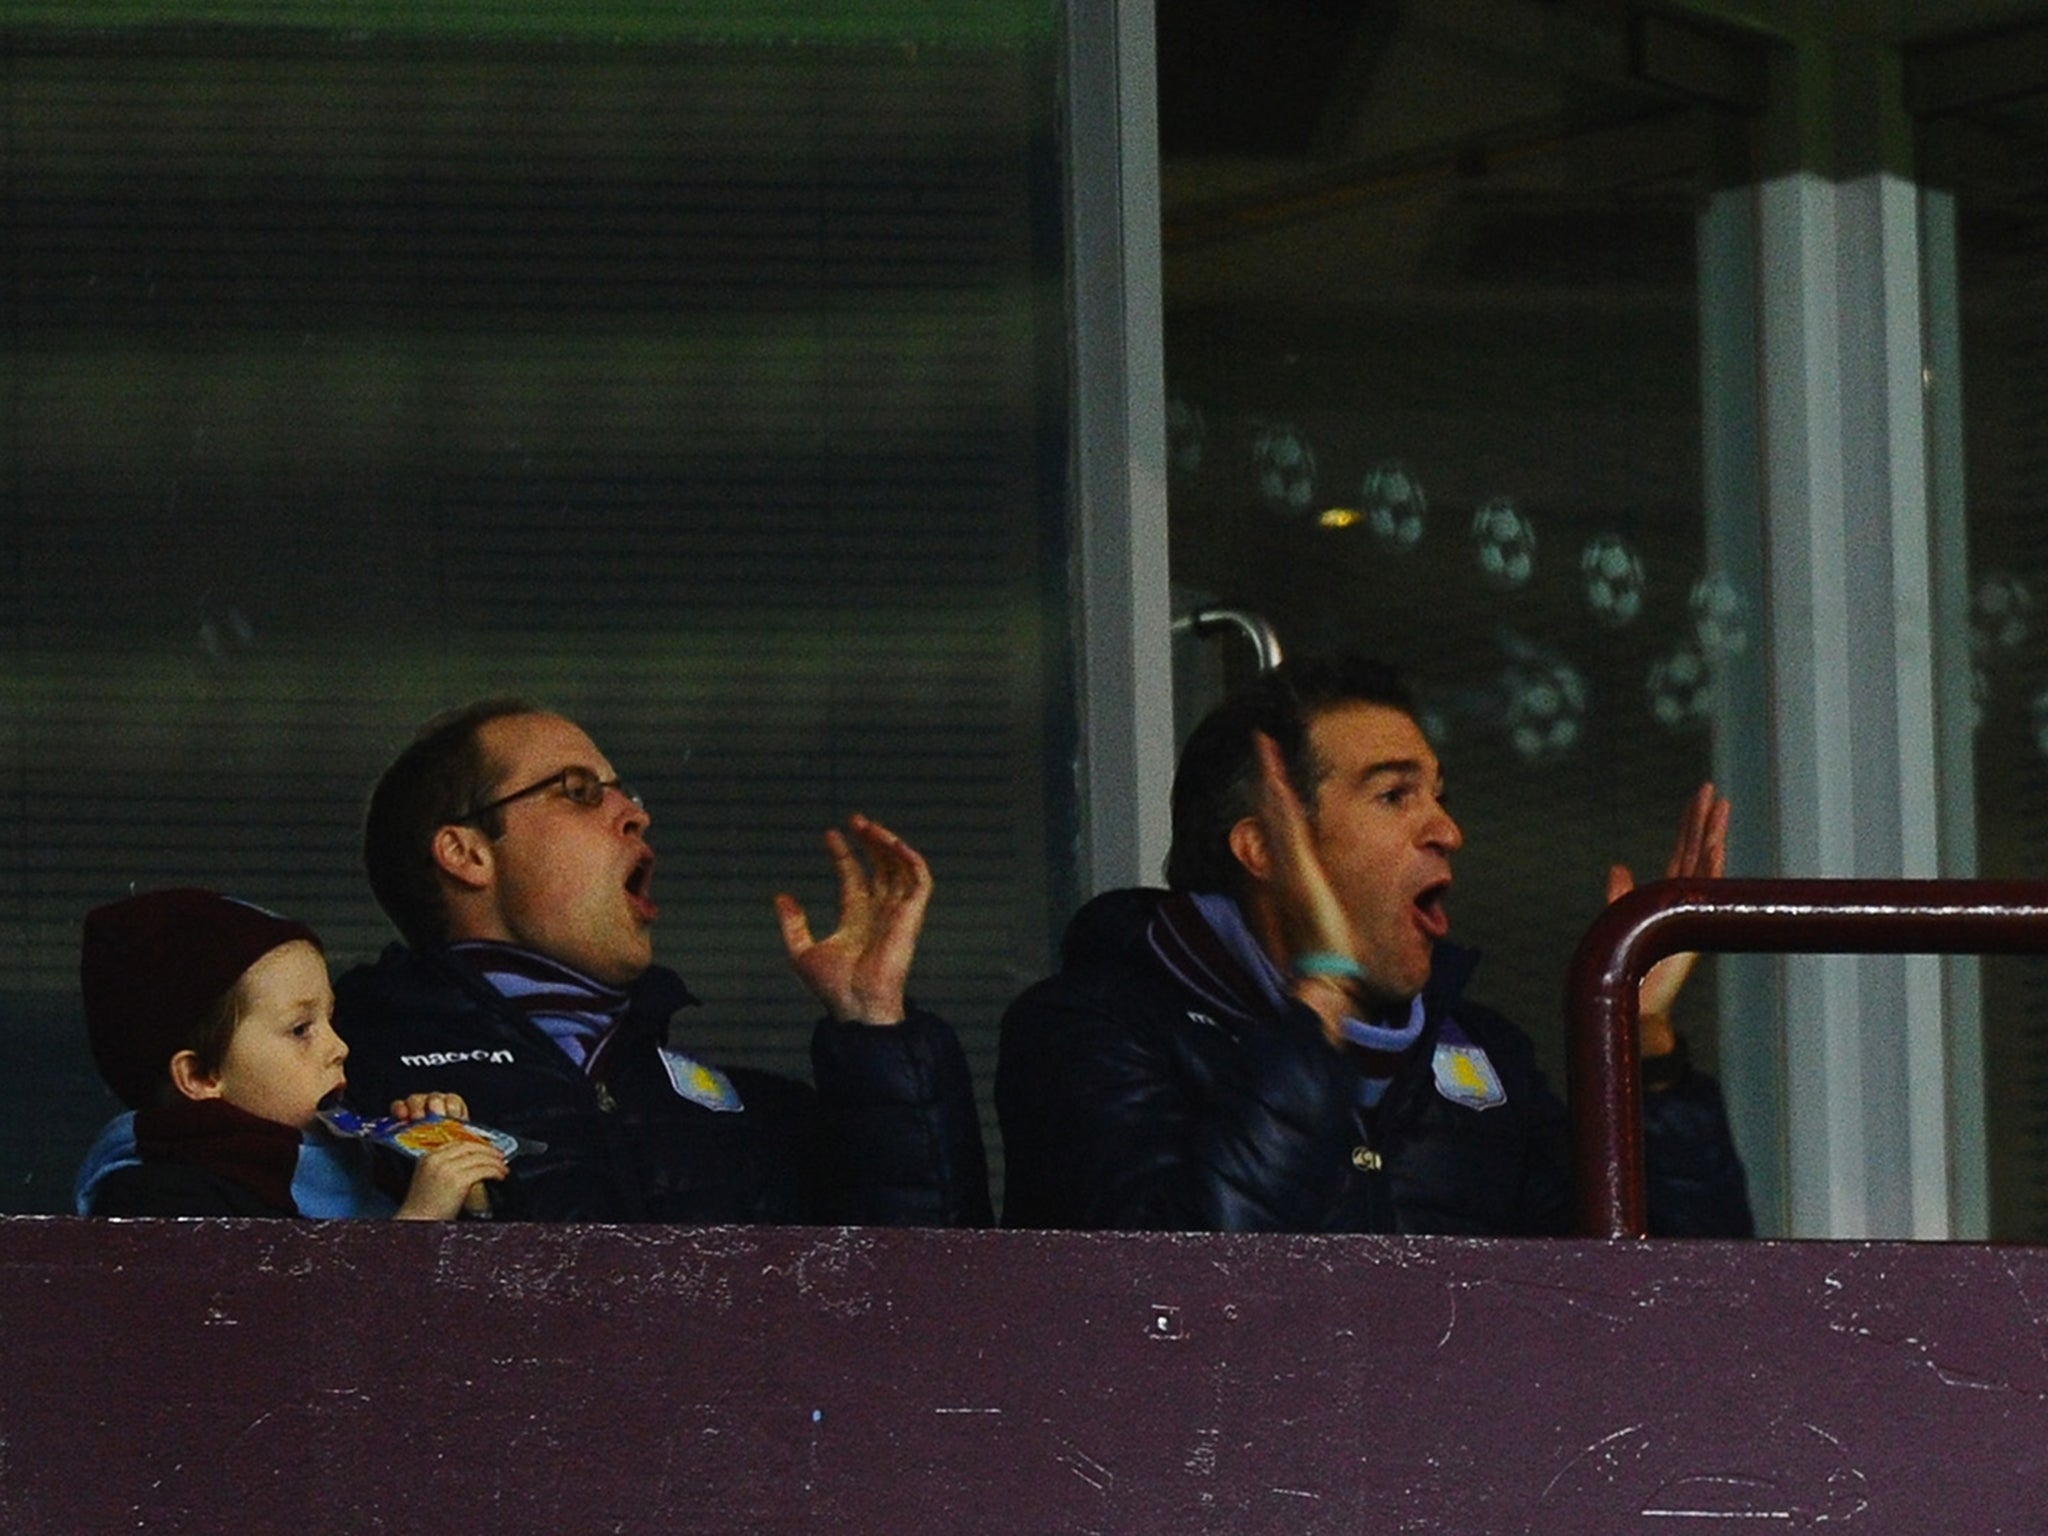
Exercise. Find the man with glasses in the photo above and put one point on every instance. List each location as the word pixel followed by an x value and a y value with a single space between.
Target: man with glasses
pixel 516 865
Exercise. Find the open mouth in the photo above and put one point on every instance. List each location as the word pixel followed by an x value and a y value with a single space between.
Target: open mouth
pixel 1430 913
pixel 640 888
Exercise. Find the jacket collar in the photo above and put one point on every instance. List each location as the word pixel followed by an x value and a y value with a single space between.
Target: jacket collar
pixel 1450 968
pixel 1183 940
pixel 656 993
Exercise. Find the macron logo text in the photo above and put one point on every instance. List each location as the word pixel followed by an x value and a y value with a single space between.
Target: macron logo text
pixel 498 1058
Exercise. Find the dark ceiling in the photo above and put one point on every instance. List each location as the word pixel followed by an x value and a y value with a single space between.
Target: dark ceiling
pixel 1335 152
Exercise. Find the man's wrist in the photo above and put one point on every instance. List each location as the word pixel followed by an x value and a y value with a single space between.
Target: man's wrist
pixel 879 1014
pixel 1329 965
pixel 1329 1000
pixel 1666 1068
pixel 1656 1036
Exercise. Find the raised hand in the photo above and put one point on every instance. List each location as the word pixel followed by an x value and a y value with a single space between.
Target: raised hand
pixel 1701 853
pixel 859 971
pixel 1305 904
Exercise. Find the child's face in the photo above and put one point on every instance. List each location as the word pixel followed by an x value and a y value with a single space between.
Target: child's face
pixel 284 1057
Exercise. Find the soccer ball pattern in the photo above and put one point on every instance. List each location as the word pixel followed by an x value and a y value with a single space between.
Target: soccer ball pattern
pixel 2001 612
pixel 1546 708
pixel 1505 543
pixel 1540 701
pixel 1394 505
pixel 1680 689
pixel 1720 616
pixel 1614 578
pixel 1285 468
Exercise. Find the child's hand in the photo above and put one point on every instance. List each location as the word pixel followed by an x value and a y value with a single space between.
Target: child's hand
pixel 450 1178
pixel 417 1106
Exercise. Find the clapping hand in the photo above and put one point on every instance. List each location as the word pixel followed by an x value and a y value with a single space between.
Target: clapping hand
pixel 1310 916
pixel 1701 853
pixel 860 969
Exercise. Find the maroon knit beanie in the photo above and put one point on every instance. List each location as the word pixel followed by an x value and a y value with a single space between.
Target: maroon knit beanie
pixel 154 965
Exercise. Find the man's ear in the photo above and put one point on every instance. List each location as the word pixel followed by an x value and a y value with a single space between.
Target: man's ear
pixel 189 1080
pixel 1248 843
pixel 465 856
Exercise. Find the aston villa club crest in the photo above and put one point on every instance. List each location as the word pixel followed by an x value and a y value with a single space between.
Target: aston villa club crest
pixel 702 1085
pixel 1465 1076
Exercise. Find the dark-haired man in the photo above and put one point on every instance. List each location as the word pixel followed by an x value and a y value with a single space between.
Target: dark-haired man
pixel 1281 1042
pixel 506 851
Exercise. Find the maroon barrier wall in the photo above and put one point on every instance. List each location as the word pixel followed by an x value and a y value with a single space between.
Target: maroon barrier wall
pixel 360 1377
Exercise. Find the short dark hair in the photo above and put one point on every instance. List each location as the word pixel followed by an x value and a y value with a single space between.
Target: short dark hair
pixel 208 1038
pixel 1216 784
pixel 434 782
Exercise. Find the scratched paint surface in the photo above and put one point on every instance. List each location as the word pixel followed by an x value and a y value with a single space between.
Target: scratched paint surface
pixel 210 1376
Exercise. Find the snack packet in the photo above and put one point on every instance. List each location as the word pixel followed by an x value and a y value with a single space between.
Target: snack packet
pixel 416 1138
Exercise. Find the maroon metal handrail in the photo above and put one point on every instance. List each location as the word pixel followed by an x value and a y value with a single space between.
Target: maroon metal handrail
pixel 1806 917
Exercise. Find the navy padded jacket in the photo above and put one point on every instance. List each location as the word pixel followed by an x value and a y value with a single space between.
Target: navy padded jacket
pixel 1128 1100
pixel 889 1135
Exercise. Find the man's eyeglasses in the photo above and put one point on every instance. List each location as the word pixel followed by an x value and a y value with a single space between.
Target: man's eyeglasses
pixel 579 785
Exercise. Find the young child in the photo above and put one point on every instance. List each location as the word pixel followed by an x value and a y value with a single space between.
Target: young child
pixel 213 1020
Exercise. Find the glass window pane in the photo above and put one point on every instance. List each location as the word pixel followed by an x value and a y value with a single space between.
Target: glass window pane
pixel 685 376
pixel 1983 163
pixel 1434 367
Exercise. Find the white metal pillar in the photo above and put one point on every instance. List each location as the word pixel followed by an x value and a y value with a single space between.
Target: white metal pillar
pixel 1853 678
pixel 1125 615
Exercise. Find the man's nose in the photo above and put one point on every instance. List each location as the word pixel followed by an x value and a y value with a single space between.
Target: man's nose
pixel 637 818
pixel 1445 833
